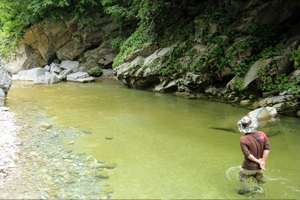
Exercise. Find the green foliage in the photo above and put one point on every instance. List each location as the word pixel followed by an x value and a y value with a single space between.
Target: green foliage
pixel 216 56
pixel 281 83
pixel 171 68
pixel 116 43
pixel 267 84
pixel 251 97
pixel 135 41
pixel 239 84
pixel 121 11
pixel 295 56
pixel 262 44
pixel 150 15
pixel 16 15
pixel 214 60
pixel 241 68
pixel 261 69
pixel 271 51
pixel 184 32
pixel 263 36
pixel 155 13
pixel 96 71
pixel 172 62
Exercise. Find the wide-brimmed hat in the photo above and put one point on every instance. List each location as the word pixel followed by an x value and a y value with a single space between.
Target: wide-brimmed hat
pixel 247 125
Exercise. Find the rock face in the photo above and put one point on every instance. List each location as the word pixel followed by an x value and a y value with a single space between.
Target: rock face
pixel 5 83
pixel 223 70
pixel 65 40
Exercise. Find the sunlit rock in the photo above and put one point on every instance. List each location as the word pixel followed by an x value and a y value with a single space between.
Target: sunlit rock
pixel 82 77
pixel 45 126
pixel 264 113
pixel 30 74
pixel 69 64
pixel 245 102
pixel 2 97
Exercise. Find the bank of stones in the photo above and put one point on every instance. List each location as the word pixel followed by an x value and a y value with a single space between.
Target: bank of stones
pixel 40 168
pixel 8 149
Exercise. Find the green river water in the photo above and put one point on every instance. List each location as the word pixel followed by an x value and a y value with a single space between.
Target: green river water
pixel 165 146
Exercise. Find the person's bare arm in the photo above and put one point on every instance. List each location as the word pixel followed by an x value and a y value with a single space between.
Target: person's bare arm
pixel 252 158
pixel 262 164
pixel 261 161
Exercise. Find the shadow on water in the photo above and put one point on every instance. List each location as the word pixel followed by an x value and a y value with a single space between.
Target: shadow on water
pixel 270 128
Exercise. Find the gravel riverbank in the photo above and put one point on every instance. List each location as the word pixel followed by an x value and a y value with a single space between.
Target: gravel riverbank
pixel 34 165
pixel 8 150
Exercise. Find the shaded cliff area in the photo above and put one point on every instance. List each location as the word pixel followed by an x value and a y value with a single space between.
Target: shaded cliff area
pixel 233 51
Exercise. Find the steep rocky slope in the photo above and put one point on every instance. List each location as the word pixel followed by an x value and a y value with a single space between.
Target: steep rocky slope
pixel 247 52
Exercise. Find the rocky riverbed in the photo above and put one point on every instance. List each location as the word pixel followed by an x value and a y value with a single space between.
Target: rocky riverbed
pixel 34 164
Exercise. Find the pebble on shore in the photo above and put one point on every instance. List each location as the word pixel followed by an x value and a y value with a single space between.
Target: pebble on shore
pixel 34 164
pixel 8 149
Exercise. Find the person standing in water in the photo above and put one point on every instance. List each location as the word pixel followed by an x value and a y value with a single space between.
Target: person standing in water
pixel 256 148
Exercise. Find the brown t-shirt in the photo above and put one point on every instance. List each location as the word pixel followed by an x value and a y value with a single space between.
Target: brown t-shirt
pixel 253 143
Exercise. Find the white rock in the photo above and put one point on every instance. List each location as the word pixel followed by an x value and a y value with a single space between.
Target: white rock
pixel 68 64
pixel 30 75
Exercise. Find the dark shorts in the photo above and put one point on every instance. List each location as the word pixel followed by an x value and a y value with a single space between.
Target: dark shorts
pixel 244 174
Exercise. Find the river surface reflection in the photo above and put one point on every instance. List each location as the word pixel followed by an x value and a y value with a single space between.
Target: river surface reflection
pixel 166 146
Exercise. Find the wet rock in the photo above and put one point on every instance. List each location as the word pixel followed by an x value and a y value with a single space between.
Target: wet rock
pixel 43 79
pixel 52 193
pixel 69 64
pixel 82 77
pixel 108 165
pixel 55 68
pixel 102 174
pixel 45 126
pixel 298 113
pixel 107 190
pixel 70 181
pixel 245 102
pixel 4 108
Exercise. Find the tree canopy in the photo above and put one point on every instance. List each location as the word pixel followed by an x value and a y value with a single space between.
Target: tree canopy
pixel 16 15
pixel 152 15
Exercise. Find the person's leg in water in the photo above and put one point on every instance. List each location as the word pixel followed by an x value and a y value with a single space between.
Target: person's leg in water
pixel 243 176
pixel 260 181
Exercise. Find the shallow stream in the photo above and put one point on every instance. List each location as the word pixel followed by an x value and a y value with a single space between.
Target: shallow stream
pixel 165 146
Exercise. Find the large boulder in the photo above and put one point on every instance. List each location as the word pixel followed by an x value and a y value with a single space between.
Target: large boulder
pixel 5 84
pixel 264 113
pixel 69 64
pixel 142 71
pixel 29 75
